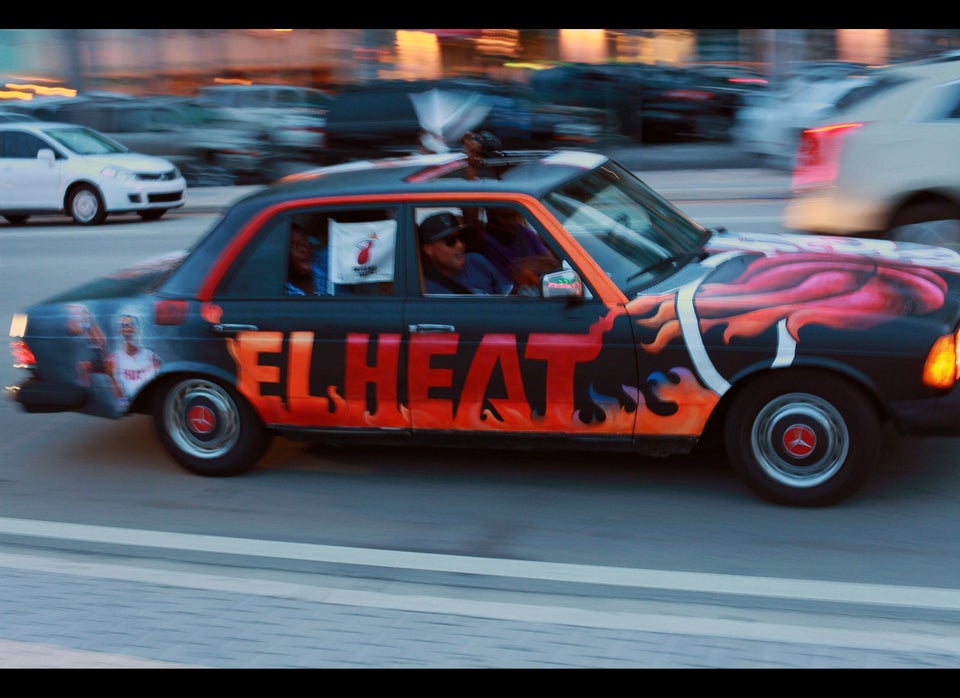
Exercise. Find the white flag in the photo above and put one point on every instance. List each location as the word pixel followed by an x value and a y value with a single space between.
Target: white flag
pixel 362 253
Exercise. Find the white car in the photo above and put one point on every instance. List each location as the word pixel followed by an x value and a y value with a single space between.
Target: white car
pixel 52 168
pixel 770 124
pixel 888 162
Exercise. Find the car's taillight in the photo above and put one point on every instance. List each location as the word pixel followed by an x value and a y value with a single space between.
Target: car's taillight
pixel 22 356
pixel 818 155
pixel 942 367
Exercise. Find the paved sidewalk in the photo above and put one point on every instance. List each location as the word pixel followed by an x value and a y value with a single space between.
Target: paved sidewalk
pixel 81 613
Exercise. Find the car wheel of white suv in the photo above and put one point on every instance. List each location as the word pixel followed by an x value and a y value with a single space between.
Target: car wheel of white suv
pixel 930 222
pixel 85 205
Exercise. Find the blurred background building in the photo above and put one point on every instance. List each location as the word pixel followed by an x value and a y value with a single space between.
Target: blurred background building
pixel 178 61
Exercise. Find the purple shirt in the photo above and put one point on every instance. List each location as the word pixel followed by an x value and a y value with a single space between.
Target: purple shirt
pixel 504 247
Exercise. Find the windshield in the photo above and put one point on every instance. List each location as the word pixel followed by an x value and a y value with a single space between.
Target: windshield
pixel 84 141
pixel 631 231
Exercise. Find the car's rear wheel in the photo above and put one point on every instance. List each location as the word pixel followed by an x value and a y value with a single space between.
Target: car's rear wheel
pixel 152 214
pixel 85 206
pixel 16 219
pixel 208 427
pixel 802 438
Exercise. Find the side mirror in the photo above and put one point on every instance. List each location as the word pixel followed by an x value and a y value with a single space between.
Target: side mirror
pixel 565 283
pixel 46 155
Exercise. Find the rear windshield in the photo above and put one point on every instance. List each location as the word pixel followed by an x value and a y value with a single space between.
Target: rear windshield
pixel 870 88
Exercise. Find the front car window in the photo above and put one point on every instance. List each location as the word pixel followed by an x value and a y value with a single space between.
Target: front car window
pixel 631 231
pixel 23 146
pixel 83 141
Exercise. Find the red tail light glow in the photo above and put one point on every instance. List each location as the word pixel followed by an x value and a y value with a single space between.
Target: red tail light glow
pixel 818 155
pixel 692 95
pixel 22 356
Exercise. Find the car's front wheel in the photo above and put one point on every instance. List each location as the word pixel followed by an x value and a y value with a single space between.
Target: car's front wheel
pixel 208 427
pixel 85 206
pixel 802 438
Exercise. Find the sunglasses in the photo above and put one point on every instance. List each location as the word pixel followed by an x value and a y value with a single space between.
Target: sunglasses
pixel 451 239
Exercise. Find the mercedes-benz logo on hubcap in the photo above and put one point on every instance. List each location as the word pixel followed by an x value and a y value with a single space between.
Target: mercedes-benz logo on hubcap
pixel 201 419
pixel 799 440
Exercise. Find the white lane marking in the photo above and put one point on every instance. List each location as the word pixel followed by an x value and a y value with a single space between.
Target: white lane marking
pixel 710 583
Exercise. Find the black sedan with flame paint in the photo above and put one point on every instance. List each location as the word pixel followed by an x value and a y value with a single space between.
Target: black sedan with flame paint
pixel 323 307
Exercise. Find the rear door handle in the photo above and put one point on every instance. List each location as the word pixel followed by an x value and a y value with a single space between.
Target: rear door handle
pixel 231 328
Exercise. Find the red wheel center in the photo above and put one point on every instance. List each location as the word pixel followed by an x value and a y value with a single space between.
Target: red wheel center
pixel 799 440
pixel 201 419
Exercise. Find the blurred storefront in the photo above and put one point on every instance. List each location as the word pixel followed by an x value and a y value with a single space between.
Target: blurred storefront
pixel 177 61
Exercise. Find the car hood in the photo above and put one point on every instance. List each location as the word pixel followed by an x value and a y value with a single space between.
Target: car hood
pixel 885 251
pixel 824 275
pixel 136 162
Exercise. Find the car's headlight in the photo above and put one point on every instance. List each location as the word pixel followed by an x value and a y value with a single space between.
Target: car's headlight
pixel 118 173
pixel 176 172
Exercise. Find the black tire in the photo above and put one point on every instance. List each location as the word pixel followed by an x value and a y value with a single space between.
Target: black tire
pixel 16 219
pixel 85 205
pixel 152 214
pixel 934 222
pixel 841 433
pixel 208 427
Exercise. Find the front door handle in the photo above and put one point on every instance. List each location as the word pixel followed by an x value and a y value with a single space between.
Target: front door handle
pixel 431 329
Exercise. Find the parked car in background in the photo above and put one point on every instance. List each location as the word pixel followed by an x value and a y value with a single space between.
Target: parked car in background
pixel 50 168
pixel 293 117
pixel 208 146
pixel 7 116
pixel 380 118
pixel 633 329
pixel 887 162
pixel 654 103
pixel 699 102
pixel 617 90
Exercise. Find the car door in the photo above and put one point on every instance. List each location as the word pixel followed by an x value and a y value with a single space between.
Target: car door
pixel 319 361
pixel 26 180
pixel 517 364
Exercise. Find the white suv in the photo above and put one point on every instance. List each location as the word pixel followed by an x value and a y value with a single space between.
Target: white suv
pixel 887 163
pixel 51 168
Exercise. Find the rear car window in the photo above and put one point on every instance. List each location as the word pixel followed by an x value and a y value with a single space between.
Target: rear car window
pixel 871 88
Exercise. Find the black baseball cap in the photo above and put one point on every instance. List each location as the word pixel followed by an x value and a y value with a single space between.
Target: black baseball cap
pixel 438 226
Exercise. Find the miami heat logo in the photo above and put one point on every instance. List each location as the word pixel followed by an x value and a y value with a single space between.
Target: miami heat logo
pixel 365 248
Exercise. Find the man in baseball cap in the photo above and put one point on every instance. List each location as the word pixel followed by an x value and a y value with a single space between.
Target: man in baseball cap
pixel 448 267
